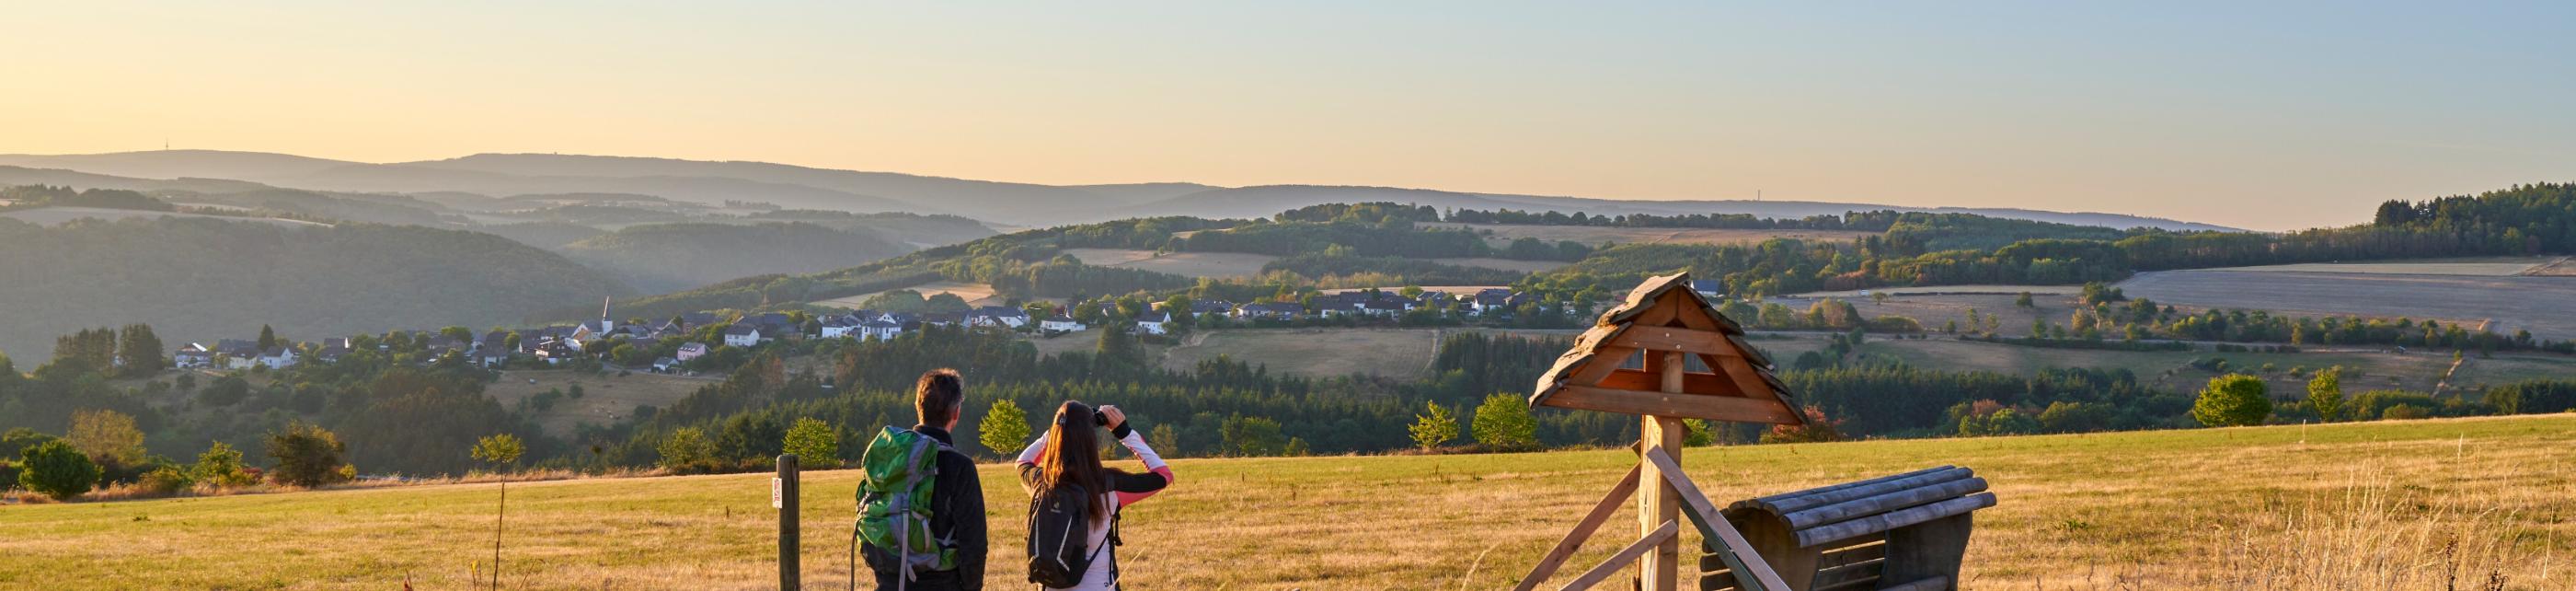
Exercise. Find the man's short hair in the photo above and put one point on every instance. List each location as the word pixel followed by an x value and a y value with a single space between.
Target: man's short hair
pixel 937 397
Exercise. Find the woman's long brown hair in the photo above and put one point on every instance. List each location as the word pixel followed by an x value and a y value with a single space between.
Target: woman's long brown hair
pixel 1072 456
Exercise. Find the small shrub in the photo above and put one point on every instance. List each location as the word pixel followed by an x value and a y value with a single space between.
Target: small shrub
pixel 221 466
pixel 165 481
pixel 2233 400
pixel 2404 412
pixel 57 470
pixel 1435 427
pixel 814 442
pixel 308 455
pixel 1503 422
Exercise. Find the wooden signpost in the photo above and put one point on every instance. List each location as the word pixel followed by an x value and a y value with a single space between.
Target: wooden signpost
pixel 1666 327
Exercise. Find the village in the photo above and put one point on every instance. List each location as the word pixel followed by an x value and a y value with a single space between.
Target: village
pixel 670 346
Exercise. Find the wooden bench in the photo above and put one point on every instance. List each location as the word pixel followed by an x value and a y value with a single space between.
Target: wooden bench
pixel 1906 532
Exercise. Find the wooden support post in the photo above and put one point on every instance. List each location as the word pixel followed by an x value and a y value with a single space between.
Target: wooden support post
pixel 1657 502
pixel 782 494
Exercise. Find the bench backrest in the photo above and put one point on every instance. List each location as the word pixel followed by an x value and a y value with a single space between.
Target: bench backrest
pixel 1904 531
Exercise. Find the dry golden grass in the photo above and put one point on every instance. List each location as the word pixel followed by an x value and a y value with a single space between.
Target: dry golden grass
pixel 2405 505
pixel 977 294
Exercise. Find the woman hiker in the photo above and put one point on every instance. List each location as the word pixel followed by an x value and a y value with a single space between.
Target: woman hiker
pixel 1074 500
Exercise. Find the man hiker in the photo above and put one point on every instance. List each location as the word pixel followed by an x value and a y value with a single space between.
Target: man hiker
pixel 921 505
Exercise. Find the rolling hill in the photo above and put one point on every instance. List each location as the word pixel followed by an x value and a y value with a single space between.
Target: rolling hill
pixel 666 257
pixel 792 186
pixel 203 279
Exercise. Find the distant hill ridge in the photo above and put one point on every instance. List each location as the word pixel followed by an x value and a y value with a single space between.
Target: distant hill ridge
pixel 794 186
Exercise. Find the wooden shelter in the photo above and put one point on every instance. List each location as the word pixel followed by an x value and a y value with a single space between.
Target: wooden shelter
pixel 1667 329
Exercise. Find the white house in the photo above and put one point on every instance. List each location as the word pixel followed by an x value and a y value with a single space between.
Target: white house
pixel 998 316
pixel 742 335
pixel 276 358
pixel 665 365
pixel 1061 323
pixel 841 326
pixel 691 350
pixel 1153 323
pixel 192 356
pixel 880 330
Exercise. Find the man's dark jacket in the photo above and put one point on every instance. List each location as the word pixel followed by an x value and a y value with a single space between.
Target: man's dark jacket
pixel 956 509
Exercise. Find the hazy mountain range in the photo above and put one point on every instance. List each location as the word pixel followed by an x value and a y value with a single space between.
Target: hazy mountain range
pixel 709 182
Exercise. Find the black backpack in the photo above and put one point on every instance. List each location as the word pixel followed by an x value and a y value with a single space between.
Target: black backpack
pixel 1059 529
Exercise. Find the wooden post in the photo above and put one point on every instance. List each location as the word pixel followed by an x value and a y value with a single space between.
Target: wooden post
pixel 782 494
pixel 1657 502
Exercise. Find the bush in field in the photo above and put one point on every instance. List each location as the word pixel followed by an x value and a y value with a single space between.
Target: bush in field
pixel 221 465
pixel 1696 433
pixel 2076 417
pixel 686 448
pixel 1252 436
pixel 1503 422
pixel 1819 429
pixel 56 469
pixel 2233 400
pixel 1435 427
pixel 814 443
pixel 165 481
pixel 308 455
pixel 2404 412
pixel 1005 428
pixel 2325 393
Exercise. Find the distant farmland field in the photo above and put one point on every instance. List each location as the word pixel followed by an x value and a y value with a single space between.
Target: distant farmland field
pixel 605 400
pixel 2478 267
pixel 2429 504
pixel 1595 235
pixel 975 294
pixel 2544 305
pixel 1506 264
pixel 1395 353
pixel 1186 264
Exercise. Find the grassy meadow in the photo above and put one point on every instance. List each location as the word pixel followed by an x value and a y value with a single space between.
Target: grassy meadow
pixel 2390 505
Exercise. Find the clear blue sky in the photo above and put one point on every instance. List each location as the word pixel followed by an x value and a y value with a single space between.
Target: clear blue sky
pixel 2271 116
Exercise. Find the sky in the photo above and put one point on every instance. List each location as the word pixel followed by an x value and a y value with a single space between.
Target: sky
pixel 2272 115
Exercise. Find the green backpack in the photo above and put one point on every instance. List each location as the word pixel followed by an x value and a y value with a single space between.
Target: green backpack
pixel 894 499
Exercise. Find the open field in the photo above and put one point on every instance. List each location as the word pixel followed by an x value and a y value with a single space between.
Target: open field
pixel 1187 264
pixel 1505 264
pixel 976 294
pixel 1933 310
pixel 2475 267
pixel 2317 507
pixel 2546 306
pixel 54 216
pixel 1314 352
pixel 606 399
pixel 2171 370
pixel 2563 267
pixel 1595 235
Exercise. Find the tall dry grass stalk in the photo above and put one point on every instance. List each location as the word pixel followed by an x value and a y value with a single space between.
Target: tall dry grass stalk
pixel 2375 537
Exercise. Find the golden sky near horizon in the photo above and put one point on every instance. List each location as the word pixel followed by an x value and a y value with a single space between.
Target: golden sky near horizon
pixel 2268 118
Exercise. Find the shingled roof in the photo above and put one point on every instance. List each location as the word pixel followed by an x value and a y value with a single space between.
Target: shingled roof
pixel 1664 314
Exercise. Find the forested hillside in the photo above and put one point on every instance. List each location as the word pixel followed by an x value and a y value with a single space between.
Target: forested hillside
pixel 666 257
pixel 201 279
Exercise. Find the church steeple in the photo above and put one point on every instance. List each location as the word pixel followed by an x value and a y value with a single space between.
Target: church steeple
pixel 605 324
